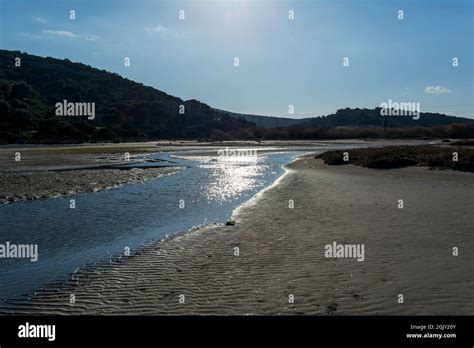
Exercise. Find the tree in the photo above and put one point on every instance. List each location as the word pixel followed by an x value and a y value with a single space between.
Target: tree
pixel 22 90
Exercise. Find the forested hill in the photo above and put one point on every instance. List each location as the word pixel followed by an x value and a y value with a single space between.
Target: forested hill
pixel 124 110
pixel 372 117
pixel 355 118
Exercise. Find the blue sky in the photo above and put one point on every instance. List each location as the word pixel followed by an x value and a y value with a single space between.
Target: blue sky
pixel 282 61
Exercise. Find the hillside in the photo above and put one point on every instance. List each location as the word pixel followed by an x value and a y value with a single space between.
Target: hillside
pixel 353 118
pixel 371 117
pixel 124 110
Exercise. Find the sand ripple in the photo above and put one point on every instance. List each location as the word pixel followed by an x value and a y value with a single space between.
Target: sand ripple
pixel 407 251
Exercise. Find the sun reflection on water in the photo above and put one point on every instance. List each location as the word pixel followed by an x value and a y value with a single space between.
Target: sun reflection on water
pixel 233 175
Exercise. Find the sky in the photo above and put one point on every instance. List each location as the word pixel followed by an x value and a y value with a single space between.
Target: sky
pixel 283 61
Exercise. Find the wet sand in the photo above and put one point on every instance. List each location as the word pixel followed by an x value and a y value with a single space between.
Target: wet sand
pixel 83 156
pixel 282 251
pixel 15 187
pixel 49 171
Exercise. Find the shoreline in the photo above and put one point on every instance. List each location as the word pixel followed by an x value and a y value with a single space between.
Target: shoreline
pixel 32 186
pixel 282 253
pixel 51 171
pixel 254 199
pixel 46 172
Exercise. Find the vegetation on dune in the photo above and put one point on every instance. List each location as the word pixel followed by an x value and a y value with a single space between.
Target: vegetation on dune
pixel 329 133
pixel 389 157
pixel 465 142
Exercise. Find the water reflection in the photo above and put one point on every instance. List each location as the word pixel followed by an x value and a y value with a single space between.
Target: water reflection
pixel 105 222
pixel 230 176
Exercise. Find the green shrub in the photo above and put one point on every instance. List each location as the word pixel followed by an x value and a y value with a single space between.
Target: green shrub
pixel 389 157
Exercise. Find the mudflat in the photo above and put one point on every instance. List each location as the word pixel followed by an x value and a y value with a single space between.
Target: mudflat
pixel 30 172
pixel 273 261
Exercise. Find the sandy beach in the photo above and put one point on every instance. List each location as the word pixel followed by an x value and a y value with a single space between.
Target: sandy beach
pixel 281 253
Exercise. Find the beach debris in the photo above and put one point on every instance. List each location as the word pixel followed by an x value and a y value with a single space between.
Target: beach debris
pixel 332 307
pixel 230 223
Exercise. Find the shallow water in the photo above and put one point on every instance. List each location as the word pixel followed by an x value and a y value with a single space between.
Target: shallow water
pixel 104 223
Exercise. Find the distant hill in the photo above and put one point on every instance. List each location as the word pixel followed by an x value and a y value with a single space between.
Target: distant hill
pixel 353 118
pixel 372 118
pixel 125 110
pixel 267 121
